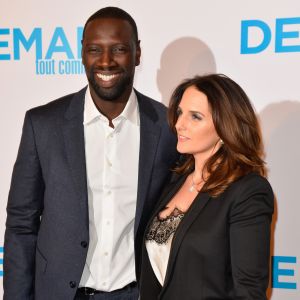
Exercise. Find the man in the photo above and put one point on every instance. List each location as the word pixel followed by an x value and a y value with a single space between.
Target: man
pixel 89 170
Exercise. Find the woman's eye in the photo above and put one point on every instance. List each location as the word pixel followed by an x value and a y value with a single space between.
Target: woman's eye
pixel 196 117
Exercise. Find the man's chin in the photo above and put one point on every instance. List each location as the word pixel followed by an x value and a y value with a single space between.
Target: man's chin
pixel 113 93
pixel 108 94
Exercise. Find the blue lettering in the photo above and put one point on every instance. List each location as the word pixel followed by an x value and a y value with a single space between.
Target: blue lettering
pixel 36 36
pixel 65 47
pixel 70 67
pixel 61 64
pixel 79 39
pixel 43 67
pixel 4 31
pixel 1 261
pixel 283 272
pixel 245 25
pixel 281 35
pixel 58 44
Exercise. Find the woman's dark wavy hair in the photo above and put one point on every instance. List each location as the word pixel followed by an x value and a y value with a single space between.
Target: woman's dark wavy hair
pixel 237 126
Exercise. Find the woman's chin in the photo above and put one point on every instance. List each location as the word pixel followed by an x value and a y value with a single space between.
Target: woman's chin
pixel 182 150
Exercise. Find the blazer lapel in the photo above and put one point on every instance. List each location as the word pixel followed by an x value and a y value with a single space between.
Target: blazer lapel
pixel 73 133
pixel 149 137
pixel 166 197
pixel 195 209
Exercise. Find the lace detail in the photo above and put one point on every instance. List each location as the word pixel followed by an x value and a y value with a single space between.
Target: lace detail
pixel 161 229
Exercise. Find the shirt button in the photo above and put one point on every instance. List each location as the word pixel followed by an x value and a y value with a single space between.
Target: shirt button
pixel 107 223
pixel 105 253
pixel 72 284
pixel 104 283
pixel 83 244
pixel 108 192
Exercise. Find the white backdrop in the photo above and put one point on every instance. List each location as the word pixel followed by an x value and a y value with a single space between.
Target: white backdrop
pixel 179 39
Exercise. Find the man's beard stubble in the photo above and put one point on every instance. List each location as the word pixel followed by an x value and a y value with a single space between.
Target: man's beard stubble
pixel 113 93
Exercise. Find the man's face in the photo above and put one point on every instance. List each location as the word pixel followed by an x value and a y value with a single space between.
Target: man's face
pixel 109 55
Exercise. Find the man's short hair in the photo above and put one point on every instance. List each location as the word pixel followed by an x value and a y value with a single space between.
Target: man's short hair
pixel 114 13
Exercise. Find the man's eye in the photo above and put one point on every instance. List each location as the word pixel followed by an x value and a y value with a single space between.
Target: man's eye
pixel 119 50
pixel 93 50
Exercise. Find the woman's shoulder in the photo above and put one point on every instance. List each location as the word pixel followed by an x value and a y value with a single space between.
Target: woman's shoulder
pixel 251 181
pixel 251 192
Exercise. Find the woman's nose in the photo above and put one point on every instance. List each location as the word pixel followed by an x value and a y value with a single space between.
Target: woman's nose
pixel 180 124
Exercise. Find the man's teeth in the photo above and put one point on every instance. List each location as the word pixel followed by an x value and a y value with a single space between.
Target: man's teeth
pixel 106 77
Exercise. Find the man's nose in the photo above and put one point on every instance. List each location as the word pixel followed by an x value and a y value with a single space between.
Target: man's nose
pixel 105 59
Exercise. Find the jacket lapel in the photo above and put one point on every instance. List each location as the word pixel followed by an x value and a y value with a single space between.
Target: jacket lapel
pixel 166 197
pixel 149 138
pixel 195 209
pixel 73 134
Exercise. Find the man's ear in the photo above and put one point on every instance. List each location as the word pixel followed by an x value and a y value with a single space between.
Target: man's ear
pixel 138 52
pixel 82 51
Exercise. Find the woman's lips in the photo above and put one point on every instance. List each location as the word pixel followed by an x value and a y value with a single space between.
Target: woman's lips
pixel 182 138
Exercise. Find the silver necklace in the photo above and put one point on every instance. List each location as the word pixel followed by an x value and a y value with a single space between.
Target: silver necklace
pixel 193 187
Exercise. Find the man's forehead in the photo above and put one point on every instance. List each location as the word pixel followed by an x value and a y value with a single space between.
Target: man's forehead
pixel 109 22
pixel 111 28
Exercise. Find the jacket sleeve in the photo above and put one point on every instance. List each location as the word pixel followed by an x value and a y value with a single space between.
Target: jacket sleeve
pixel 250 220
pixel 24 209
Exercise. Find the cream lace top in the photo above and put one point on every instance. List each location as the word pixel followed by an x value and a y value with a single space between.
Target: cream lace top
pixel 158 242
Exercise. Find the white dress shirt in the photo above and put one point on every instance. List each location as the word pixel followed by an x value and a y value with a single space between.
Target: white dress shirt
pixel 112 159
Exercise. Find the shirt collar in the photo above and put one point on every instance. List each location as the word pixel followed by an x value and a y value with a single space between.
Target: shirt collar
pixel 130 111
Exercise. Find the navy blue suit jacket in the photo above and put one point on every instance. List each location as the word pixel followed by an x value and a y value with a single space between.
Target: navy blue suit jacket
pixel 47 227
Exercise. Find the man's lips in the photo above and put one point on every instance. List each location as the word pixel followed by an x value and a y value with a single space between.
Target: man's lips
pixel 107 79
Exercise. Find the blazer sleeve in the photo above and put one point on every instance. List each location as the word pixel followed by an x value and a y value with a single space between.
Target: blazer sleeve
pixel 250 219
pixel 24 209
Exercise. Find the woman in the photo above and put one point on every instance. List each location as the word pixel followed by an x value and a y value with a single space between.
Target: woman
pixel 209 237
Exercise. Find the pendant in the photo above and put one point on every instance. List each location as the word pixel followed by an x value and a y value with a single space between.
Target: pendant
pixel 192 189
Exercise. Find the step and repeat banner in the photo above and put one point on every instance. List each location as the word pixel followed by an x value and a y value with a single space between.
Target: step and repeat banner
pixel 257 43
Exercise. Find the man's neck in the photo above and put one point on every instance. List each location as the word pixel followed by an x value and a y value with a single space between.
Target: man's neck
pixel 111 109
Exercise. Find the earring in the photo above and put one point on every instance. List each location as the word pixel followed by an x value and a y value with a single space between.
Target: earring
pixel 221 142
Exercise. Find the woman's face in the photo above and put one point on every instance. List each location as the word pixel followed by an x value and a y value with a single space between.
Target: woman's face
pixel 195 129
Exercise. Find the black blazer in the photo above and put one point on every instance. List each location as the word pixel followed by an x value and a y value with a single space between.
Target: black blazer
pixel 47 228
pixel 221 247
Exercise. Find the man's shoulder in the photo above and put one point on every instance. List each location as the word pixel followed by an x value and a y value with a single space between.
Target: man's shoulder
pixel 148 104
pixel 59 105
